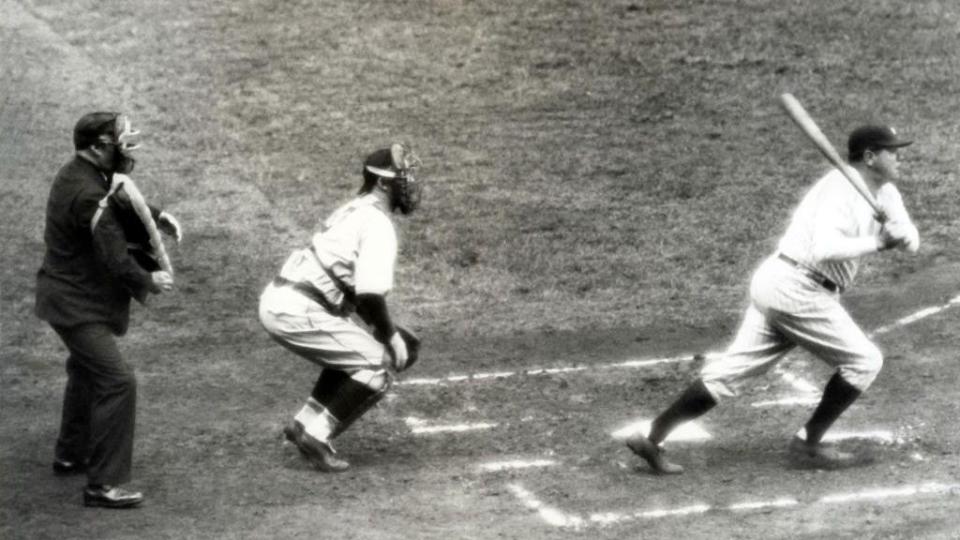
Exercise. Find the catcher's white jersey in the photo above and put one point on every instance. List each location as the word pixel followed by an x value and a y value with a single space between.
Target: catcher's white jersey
pixel 833 221
pixel 357 243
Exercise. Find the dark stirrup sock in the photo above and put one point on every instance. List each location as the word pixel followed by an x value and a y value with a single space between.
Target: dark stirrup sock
pixel 695 401
pixel 837 397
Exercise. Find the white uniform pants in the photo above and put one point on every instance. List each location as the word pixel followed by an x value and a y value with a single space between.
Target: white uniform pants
pixel 308 330
pixel 788 309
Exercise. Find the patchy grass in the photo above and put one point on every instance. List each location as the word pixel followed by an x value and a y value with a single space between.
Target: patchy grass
pixel 618 161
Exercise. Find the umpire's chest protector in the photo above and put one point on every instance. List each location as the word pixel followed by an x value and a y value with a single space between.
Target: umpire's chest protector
pixel 136 218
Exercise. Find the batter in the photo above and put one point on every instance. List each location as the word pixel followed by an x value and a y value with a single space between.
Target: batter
pixel 794 300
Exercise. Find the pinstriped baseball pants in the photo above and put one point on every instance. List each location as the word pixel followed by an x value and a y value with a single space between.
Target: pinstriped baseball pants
pixel 788 309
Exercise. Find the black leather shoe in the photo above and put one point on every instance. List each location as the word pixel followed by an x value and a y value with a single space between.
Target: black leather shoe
pixel 111 497
pixel 320 454
pixel 820 456
pixel 652 454
pixel 65 467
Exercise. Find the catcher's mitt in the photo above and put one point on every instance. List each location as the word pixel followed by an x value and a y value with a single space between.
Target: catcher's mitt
pixel 412 341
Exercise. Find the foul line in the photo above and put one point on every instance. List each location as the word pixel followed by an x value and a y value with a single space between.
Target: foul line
pixel 642 363
pixel 558 518
pixel 914 317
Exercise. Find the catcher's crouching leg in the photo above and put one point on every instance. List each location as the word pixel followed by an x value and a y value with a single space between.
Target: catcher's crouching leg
pixel 355 395
pixel 338 399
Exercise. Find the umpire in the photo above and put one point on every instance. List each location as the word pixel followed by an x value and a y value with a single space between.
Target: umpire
pixel 83 291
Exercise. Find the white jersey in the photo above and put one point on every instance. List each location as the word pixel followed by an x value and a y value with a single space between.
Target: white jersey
pixel 833 226
pixel 357 244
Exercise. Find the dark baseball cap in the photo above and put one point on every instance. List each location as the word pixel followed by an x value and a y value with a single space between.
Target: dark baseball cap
pixel 92 126
pixel 873 137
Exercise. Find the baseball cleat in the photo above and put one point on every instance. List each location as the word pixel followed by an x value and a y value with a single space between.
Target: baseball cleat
pixel 320 454
pixel 65 467
pixel 111 497
pixel 652 454
pixel 819 456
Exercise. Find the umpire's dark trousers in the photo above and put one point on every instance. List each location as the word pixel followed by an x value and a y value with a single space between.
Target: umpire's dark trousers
pixel 99 405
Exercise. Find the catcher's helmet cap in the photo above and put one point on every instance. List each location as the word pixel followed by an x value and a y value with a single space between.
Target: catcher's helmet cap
pixel 381 163
pixel 873 137
pixel 398 160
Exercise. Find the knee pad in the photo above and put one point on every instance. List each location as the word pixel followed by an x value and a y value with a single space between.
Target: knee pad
pixel 376 380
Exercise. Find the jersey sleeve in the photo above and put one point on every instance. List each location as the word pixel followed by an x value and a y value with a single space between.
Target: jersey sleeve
pixel 376 255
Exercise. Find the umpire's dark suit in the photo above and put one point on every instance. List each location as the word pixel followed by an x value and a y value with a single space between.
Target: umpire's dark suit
pixel 83 290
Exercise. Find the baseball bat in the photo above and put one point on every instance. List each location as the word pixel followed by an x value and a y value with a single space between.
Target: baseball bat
pixel 799 115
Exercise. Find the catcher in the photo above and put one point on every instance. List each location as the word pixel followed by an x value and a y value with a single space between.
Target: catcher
pixel 328 305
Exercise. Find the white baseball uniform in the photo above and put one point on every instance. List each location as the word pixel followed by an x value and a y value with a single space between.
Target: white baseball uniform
pixel 794 294
pixel 358 245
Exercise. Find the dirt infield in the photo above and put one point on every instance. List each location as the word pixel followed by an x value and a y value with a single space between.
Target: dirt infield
pixel 602 178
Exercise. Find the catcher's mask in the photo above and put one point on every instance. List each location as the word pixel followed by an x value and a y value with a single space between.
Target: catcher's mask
pixel 396 166
pixel 108 129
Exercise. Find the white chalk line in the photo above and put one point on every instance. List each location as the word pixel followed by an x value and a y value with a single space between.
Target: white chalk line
pixel 787 402
pixel 626 364
pixel 549 514
pixel 799 383
pixel 422 427
pixel 642 363
pixel 514 464
pixel 916 316
pixel 688 431
pixel 558 518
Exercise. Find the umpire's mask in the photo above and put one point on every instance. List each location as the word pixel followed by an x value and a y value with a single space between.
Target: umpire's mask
pixel 111 132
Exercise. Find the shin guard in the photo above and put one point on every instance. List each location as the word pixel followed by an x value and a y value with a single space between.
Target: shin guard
pixel 354 400
pixel 345 398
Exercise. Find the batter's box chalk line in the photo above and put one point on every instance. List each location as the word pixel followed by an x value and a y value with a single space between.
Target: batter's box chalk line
pixel 419 426
pixel 557 517
pixel 686 432
pixel 515 464
pixel 645 363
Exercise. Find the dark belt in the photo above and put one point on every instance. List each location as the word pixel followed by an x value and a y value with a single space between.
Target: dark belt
pixel 817 277
pixel 314 294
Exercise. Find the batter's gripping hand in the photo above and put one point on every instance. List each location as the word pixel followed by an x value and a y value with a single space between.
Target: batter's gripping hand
pixel 892 236
pixel 412 341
